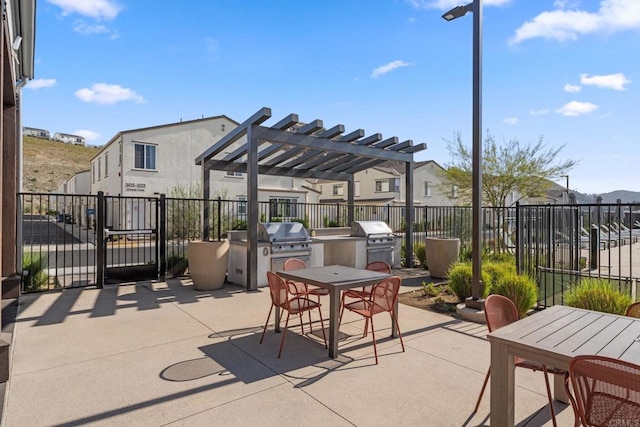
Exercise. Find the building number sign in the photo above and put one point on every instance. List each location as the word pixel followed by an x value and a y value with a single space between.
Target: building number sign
pixel 132 186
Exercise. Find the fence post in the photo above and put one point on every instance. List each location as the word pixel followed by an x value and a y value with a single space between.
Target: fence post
pixel 518 237
pixel 162 240
pixel 100 240
pixel 219 217
pixel 595 247
pixel 338 213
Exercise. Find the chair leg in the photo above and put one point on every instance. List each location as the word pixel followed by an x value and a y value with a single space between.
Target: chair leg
pixel 546 381
pixel 284 332
pixel 373 335
pixel 266 323
pixel 484 385
pixel 341 308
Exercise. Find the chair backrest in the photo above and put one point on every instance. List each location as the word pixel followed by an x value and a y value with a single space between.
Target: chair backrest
pixel 499 311
pixel 605 389
pixel 385 293
pixel 294 264
pixel 278 289
pixel 633 310
pixel 379 266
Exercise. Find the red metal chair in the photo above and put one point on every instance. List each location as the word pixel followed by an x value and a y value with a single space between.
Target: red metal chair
pixel 365 292
pixel 607 391
pixel 500 311
pixel 633 310
pixel 303 288
pixel 283 296
pixel 383 300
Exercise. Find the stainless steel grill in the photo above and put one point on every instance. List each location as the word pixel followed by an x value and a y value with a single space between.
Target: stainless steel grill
pixel 284 237
pixel 380 240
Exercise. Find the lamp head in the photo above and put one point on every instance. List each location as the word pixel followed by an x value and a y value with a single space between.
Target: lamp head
pixel 457 12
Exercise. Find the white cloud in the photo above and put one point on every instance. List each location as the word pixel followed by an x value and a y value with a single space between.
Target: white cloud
pixel 105 94
pixel 576 108
pixel 89 135
pixel 511 120
pixel 40 83
pixel 384 69
pixel 98 9
pixel 539 112
pixel 616 81
pixel 561 24
pixel 448 4
pixel 572 88
pixel 83 28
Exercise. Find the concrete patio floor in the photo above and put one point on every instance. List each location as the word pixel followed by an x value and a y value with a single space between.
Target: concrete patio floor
pixel 161 353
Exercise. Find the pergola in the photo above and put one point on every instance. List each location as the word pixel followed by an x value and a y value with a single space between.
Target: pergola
pixel 290 148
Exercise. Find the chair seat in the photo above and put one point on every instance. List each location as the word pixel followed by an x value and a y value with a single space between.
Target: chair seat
pixel 300 304
pixel 318 291
pixel 354 293
pixel 364 307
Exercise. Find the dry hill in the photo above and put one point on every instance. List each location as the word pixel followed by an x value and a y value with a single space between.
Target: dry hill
pixel 49 163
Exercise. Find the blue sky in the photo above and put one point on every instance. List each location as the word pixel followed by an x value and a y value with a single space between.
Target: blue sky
pixel 564 70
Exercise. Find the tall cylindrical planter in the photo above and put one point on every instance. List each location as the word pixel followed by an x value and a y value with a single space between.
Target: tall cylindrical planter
pixel 208 264
pixel 441 254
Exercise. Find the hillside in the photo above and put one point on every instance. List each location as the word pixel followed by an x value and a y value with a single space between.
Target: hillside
pixel 48 163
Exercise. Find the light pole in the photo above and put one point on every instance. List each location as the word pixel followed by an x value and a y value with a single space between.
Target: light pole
pixel 476 191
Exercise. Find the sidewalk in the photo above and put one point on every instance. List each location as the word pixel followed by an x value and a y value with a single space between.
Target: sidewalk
pixel 155 354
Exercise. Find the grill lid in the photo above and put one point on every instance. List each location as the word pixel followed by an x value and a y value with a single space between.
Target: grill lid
pixel 282 232
pixel 370 228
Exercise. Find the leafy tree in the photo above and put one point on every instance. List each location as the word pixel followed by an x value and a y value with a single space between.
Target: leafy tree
pixel 524 168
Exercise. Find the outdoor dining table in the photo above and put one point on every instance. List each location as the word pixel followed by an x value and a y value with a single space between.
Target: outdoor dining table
pixel 335 278
pixel 553 337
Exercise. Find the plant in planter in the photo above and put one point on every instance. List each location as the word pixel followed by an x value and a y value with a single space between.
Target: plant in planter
pixel 520 289
pixel 597 294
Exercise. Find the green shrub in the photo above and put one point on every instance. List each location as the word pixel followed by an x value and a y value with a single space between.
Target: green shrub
pixel 598 295
pixel 460 275
pixel 419 251
pixel 34 267
pixel 496 270
pixel 521 289
pixel 505 257
pixel 429 290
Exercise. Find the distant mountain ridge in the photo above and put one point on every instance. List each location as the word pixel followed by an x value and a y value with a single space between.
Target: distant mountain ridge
pixel 624 196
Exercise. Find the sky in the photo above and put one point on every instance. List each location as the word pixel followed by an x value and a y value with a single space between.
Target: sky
pixel 567 71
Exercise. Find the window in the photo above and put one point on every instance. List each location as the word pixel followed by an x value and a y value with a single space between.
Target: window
pixel 145 156
pixel 395 184
pixel 338 190
pixel 119 153
pixel 283 208
pixel 427 189
pixel 93 172
pixel 106 165
pixel 99 169
pixel 356 189
pixel 454 191
pixel 380 185
pixel 233 173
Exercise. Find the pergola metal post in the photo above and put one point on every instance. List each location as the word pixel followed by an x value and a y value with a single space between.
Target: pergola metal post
pixel 408 183
pixel 252 210
pixel 476 185
pixel 206 194
pixel 350 200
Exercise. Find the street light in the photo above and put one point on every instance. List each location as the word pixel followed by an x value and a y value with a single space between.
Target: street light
pixel 567 177
pixel 476 191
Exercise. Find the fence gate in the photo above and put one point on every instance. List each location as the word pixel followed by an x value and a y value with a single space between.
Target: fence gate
pixel 129 245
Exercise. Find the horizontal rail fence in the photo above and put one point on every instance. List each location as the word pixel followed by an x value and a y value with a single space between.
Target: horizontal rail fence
pixel 561 244
pixel 58 240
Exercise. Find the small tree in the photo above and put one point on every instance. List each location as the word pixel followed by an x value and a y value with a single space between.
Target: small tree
pixel 524 168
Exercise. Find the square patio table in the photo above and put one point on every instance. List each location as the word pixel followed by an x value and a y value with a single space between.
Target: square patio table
pixel 335 278
pixel 553 337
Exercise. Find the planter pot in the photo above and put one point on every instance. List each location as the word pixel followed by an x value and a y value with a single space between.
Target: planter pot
pixel 441 254
pixel 208 264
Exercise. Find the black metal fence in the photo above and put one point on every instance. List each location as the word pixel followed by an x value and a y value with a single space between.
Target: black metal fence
pixel 79 240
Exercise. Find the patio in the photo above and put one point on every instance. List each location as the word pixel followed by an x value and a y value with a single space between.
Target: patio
pixel 161 353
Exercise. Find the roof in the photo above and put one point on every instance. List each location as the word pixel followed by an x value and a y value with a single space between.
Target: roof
pixel 289 148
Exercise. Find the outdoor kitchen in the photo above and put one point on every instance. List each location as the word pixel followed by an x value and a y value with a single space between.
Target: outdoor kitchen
pixel 355 246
